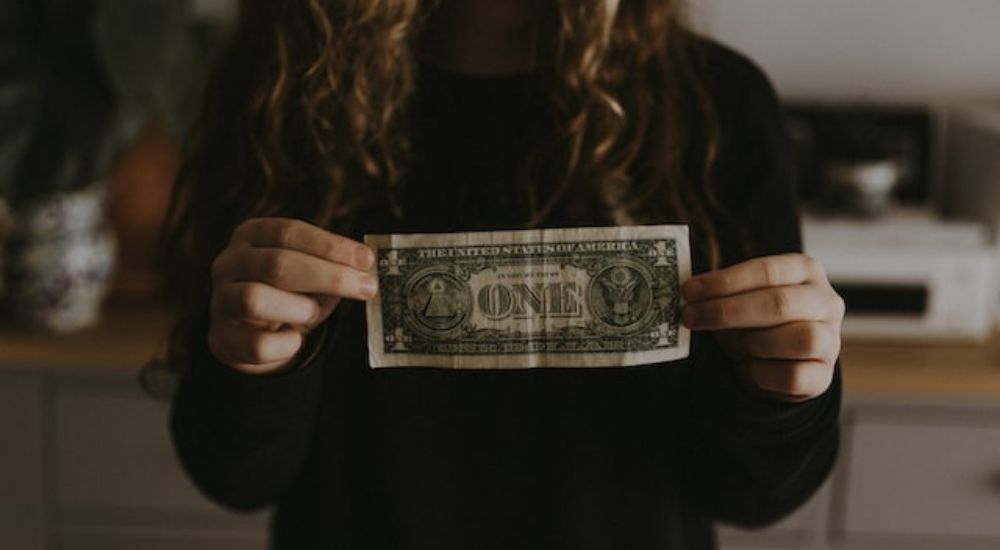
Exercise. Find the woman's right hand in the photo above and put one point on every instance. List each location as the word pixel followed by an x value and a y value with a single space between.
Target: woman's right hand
pixel 276 280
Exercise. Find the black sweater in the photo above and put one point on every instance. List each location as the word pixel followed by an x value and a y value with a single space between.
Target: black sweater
pixel 641 457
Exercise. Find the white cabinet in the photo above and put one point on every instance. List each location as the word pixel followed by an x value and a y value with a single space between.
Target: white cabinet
pixel 922 477
pixel 87 463
pixel 911 476
pixel 112 456
pixel 22 506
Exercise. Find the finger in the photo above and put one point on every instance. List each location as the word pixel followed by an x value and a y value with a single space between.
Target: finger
pixel 252 349
pixel 758 273
pixel 791 380
pixel 260 302
pixel 294 271
pixel 326 306
pixel 304 237
pixel 796 340
pixel 761 308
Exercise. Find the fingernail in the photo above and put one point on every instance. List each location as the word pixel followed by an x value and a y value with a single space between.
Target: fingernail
pixel 364 257
pixel 369 286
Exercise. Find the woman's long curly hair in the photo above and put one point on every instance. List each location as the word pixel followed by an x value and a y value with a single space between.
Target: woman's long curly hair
pixel 307 119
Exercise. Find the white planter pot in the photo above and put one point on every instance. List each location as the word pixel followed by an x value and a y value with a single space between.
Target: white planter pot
pixel 60 262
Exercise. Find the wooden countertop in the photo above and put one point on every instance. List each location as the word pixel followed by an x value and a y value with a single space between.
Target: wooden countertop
pixel 126 338
pixel 922 369
pixel 129 336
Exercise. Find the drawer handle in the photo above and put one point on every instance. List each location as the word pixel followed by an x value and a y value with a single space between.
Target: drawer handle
pixel 995 482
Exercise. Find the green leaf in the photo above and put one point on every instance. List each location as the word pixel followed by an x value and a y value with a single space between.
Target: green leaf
pixel 134 41
pixel 158 55
pixel 80 78
pixel 62 141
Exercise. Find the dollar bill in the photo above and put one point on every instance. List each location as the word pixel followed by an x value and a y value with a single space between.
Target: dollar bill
pixel 577 297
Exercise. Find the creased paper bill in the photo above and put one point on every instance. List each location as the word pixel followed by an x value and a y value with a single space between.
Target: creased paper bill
pixel 578 297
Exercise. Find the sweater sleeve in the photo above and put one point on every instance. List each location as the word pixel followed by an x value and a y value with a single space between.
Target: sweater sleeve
pixel 243 438
pixel 751 461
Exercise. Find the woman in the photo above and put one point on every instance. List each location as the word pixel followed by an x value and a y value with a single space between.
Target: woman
pixel 332 119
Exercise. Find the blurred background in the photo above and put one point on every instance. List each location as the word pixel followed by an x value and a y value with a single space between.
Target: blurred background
pixel 894 111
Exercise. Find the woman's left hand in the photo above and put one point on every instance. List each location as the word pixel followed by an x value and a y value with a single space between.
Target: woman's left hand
pixel 777 317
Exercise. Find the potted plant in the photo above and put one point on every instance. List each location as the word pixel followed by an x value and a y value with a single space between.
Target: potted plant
pixel 157 55
pixel 71 106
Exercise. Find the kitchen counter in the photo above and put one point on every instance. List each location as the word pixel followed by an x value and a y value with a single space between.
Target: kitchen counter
pixel 125 339
pixel 923 369
pixel 128 337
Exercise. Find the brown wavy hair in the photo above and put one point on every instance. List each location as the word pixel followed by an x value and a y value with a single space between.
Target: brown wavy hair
pixel 307 119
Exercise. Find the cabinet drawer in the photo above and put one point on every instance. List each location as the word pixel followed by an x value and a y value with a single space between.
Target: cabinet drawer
pixel 921 477
pixel 114 461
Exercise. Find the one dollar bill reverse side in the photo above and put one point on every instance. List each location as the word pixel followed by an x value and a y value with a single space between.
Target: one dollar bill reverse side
pixel 576 297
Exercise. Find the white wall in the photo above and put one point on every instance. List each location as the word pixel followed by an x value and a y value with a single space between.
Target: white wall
pixel 924 51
